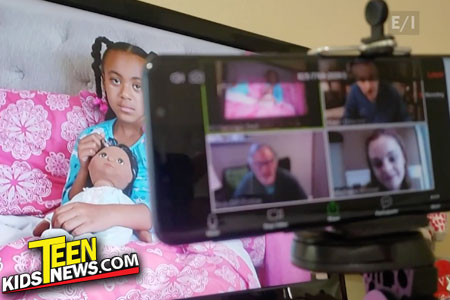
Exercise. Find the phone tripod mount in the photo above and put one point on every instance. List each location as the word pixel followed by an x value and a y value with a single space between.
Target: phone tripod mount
pixel 374 247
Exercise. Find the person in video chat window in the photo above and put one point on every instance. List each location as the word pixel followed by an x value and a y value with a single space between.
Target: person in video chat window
pixel 387 161
pixel 266 180
pixel 371 100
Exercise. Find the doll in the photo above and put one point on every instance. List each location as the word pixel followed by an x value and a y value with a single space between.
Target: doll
pixel 112 171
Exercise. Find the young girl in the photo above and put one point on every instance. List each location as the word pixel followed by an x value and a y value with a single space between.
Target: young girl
pixel 120 71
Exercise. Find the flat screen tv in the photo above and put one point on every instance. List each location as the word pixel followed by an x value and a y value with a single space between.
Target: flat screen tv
pixel 49 94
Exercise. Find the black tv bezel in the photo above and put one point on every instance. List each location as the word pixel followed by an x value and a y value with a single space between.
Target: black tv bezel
pixel 162 18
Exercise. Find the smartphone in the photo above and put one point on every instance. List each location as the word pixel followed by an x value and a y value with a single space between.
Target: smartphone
pixel 245 145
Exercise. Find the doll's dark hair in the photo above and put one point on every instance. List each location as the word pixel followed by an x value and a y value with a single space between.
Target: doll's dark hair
pixel 133 164
pixel 97 65
pixel 134 168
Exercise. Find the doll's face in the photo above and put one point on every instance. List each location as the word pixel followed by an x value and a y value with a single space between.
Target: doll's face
pixel 111 167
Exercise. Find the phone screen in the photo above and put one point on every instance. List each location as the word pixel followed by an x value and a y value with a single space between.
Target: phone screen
pixel 254 144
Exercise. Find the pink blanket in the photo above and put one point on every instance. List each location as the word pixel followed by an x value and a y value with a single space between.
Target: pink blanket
pixel 166 272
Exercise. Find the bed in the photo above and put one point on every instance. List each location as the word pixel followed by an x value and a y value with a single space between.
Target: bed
pixel 46 99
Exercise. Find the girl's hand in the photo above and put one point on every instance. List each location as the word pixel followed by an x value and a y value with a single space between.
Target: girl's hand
pixel 78 218
pixel 88 146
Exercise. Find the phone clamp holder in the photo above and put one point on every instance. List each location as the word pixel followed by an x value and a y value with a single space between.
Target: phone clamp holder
pixel 378 44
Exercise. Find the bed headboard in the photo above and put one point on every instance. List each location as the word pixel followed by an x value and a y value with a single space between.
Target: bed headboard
pixel 47 46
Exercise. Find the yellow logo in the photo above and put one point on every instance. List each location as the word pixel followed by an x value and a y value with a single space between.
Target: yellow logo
pixel 70 262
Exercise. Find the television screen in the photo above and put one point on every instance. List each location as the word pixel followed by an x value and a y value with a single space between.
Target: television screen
pixel 54 84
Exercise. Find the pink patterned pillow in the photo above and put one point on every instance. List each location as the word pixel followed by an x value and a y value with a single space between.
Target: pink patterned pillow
pixel 38 131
